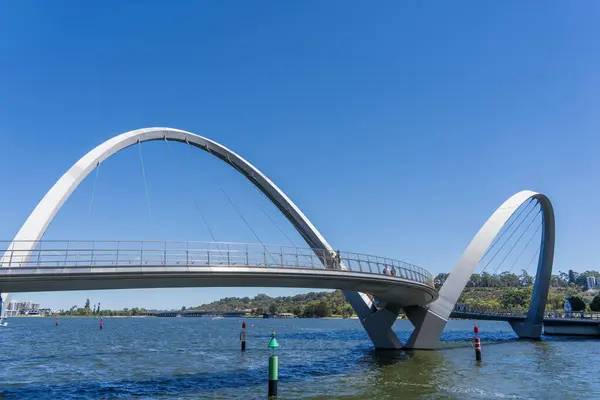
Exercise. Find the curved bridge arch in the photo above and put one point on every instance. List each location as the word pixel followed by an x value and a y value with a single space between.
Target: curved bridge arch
pixel 377 323
pixel 431 320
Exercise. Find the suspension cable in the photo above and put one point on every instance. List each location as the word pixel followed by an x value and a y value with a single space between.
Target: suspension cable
pixel 187 184
pixel 508 227
pixel 526 246
pixel 301 233
pixel 507 240
pixel 282 231
pixel 517 241
pixel 246 222
pixel 144 176
pixel 94 189
pixel 532 258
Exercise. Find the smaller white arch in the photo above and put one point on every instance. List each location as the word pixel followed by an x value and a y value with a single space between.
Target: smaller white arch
pixel 430 321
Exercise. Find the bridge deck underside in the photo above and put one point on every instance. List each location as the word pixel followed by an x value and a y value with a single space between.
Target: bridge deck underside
pixel 390 289
pixel 486 317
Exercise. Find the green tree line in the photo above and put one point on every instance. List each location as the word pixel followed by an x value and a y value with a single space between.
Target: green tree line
pixel 308 305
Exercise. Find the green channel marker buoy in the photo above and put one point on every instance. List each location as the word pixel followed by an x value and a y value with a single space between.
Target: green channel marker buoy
pixel 273 366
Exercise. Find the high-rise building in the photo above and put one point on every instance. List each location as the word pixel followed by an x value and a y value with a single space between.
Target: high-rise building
pixel 591 282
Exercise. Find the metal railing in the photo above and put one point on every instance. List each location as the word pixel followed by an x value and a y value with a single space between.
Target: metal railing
pixel 519 312
pixel 79 253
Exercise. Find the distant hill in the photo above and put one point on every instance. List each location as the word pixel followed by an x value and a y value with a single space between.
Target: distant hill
pixel 313 304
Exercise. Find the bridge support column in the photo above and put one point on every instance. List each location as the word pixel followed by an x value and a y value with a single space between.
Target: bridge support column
pixel 379 328
pixel 4 297
pixel 428 326
pixel 377 322
pixel 526 329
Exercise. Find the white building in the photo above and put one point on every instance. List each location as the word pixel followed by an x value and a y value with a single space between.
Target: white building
pixel 591 282
pixel 20 307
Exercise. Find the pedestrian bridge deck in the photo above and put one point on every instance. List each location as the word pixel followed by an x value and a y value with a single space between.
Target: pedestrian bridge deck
pixel 77 265
pixel 572 323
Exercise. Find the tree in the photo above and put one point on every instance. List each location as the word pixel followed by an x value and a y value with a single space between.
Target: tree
pixel 98 309
pixel 577 303
pixel 595 305
pixel 486 279
pixel 322 309
pixel 87 303
pixel 556 301
pixel 506 279
pixel 525 279
pixel 475 281
pixel 572 276
pixel 273 308
pixel 347 311
pixel 559 281
pixel 182 308
pixel 516 298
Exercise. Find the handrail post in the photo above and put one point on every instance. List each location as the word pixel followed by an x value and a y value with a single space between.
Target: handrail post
pixel 39 252
pixel 12 250
pixel 66 253
pixel 165 254
pixel 247 260
pixel 265 255
pixel 92 256
pixel 297 259
pixel 228 258
pixel 207 257
pixel 187 254
pixel 117 260
pixel 281 255
pixel 142 254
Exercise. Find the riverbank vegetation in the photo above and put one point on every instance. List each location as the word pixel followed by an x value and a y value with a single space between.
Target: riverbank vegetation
pixel 309 305
pixel 510 291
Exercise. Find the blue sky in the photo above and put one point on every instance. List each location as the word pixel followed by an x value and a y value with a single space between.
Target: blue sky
pixel 397 128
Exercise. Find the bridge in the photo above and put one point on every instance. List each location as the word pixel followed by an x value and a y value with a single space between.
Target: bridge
pixel 95 265
pixel 554 322
pixel 30 263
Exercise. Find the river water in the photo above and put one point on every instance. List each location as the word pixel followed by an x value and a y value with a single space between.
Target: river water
pixel 199 358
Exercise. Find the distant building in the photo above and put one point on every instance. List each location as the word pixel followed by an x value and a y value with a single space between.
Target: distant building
pixel 591 282
pixel 21 307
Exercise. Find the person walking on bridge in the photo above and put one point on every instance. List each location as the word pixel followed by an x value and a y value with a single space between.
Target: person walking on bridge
pixel 338 260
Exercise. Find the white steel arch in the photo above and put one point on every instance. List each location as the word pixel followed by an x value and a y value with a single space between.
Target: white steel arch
pixel 430 320
pixel 377 324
